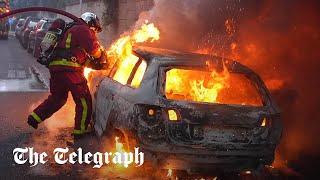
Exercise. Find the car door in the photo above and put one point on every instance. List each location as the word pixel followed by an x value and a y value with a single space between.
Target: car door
pixel 114 90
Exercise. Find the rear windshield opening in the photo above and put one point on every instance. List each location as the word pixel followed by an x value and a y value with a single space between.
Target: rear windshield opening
pixel 211 87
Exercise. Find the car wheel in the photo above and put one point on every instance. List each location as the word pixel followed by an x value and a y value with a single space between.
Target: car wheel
pixel 21 42
pixel 24 43
pixel 29 50
pixel 258 171
pixel 34 50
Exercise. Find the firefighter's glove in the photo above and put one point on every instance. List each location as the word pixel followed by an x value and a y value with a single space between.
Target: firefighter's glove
pixel 97 65
pixel 100 63
pixel 103 57
pixel 43 60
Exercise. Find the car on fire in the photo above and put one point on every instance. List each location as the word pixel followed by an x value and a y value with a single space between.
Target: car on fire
pixel 169 106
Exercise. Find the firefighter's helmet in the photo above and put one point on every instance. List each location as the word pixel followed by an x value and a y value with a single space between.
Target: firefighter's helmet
pixel 92 20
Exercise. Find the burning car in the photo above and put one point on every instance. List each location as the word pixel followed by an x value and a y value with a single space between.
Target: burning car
pixel 189 111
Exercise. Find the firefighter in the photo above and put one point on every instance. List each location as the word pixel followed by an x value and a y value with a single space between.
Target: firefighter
pixel 77 47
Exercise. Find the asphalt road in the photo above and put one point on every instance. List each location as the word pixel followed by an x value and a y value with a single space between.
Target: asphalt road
pixel 23 85
pixel 19 90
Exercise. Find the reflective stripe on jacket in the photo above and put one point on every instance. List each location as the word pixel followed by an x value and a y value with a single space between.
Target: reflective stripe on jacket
pixel 81 40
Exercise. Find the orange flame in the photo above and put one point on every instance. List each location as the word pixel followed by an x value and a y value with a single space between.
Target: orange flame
pixel 120 52
pixel 169 174
pixel 87 72
pixel 119 145
pixel 194 85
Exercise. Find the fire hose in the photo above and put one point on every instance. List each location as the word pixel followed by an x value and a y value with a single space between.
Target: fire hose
pixel 30 9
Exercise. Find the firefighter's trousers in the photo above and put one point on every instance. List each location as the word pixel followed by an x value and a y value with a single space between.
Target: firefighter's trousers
pixel 60 85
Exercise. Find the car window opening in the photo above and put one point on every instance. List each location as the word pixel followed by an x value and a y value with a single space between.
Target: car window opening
pixel 211 87
pixel 130 71
pixel 138 76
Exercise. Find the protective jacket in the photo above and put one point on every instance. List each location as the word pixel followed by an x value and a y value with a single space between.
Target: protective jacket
pixel 73 51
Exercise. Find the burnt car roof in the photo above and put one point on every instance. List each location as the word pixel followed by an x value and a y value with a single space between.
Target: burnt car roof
pixel 167 58
pixel 172 55
pixel 158 52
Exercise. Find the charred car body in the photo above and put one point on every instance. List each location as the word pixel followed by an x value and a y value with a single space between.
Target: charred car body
pixel 183 134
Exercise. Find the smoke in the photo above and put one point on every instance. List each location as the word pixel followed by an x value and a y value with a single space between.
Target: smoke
pixel 278 39
pixel 281 43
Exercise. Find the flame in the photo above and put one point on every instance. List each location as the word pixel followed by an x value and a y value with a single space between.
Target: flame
pixel 119 145
pixel 230 26
pixel 145 33
pixel 264 122
pixel 120 52
pixel 194 85
pixel 169 174
pixel 87 72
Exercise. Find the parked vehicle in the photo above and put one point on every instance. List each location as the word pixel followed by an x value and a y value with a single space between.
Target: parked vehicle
pixel 26 33
pixel 147 106
pixel 19 27
pixel 24 27
pixel 32 34
pixel 36 36
pixel 4 24
pixel 4 29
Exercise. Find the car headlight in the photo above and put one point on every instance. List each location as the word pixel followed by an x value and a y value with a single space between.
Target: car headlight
pixel 173 115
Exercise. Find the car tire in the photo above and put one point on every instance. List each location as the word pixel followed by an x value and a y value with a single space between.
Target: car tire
pixel 24 45
pixel 34 50
pixel 29 50
pixel 258 171
pixel 21 42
